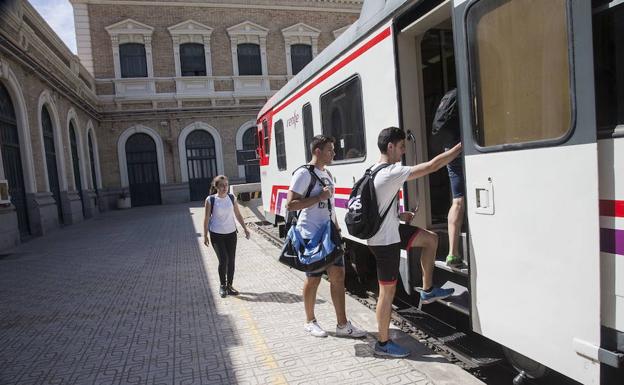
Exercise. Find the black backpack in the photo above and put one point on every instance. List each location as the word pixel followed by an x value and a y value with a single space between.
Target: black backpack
pixel 363 219
pixel 446 120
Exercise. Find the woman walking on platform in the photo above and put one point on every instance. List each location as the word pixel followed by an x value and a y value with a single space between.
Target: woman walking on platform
pixel 220 210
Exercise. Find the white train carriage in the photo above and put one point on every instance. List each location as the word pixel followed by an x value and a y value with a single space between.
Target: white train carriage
pixel 541 96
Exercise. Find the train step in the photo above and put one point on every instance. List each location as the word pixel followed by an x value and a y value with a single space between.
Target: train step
pixel 459 301
pixel 463 269
pixel 472 350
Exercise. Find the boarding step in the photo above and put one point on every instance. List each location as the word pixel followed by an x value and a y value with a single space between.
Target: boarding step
pixel 468 347
pixel 462 269
pixel 443 251
pixel 459 301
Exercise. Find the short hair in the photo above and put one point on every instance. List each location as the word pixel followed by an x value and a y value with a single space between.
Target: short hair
pixel 389 135
pixel 320 141
pixel 215 182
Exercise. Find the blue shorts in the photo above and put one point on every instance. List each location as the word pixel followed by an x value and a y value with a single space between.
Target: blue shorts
pixel 456 177
pixel 339 262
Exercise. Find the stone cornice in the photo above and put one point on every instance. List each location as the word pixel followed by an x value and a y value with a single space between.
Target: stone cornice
pixel 190 27
pixel 129 27
pixel 301 29
pixel 247 28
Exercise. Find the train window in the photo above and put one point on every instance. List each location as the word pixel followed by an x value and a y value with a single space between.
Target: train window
pixel 608 31
pixel 280 145
pixel 342 118
pixel 267 139
pixel 308 130
pixel 520 70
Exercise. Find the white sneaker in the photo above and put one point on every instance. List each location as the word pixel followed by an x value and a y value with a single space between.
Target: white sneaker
pixel 349 330
pixel 314 329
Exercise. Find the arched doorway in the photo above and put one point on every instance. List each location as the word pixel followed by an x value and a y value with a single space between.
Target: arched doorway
pixel 201 160
pixel 12 161
pixel 250 144
pixel 50 155
pixel 76 163
pixel 142 162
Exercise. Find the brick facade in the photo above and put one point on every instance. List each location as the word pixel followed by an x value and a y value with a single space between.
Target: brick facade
pixel 35 64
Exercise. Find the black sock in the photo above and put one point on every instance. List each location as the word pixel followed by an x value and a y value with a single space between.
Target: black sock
pixel 428 290
pixel 382 343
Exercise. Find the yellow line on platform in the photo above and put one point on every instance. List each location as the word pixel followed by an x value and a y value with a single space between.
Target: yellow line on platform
pixel 260 344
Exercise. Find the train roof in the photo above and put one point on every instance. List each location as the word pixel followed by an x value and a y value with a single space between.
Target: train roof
pixel 373 12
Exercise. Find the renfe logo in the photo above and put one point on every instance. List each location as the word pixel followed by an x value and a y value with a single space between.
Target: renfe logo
pixel 293 120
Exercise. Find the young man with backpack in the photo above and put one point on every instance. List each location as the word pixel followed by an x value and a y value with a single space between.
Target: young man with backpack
pixel 311 197
pixel 391 237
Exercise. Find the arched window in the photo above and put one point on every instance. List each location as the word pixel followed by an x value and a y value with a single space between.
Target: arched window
pixel 300 56
pixel 192 59
pixel 11 159
pixel 50 155
pixel 132 60
pixel 76 164
pixel 249 62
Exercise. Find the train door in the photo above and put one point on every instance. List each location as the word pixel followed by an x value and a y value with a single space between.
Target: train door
pixel 426 62
pixel 526 93
pixel 608 29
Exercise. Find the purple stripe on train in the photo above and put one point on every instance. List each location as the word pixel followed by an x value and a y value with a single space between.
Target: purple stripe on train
pixel 340 202
pixel 612 241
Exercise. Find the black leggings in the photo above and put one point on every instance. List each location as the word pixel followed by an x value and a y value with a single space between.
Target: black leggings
pixel 225 248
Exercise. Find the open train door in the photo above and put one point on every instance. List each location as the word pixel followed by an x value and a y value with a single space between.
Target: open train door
pixel 526 90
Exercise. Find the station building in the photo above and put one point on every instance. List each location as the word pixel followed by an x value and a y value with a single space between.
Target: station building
pixel 161 97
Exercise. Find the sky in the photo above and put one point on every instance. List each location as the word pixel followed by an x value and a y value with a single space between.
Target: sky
pixel 59 14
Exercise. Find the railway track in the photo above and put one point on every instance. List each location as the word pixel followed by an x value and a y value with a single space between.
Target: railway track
pixel 458 347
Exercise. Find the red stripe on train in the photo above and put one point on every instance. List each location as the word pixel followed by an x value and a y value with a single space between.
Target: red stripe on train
pixel 354 55
pixel 611 208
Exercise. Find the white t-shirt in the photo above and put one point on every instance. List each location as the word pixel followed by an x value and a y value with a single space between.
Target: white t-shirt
pixel 222 216
pixel 312 218
pixel 387 184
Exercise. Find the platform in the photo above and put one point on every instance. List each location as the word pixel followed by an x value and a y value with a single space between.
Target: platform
pixel 132 298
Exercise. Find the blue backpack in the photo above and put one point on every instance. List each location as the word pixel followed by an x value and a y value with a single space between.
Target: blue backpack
pixel 315 255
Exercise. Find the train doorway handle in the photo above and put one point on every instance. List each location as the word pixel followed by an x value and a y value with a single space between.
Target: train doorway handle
pixel 411 138
pixel 484 197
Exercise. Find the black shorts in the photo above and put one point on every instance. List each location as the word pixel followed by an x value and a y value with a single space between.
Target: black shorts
pixel 388 257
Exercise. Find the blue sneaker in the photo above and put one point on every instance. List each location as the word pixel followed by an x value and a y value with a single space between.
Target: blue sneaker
pixel 391 349
pixel 435 293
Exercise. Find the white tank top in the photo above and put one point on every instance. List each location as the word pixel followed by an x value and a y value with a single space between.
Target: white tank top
pixel 222 218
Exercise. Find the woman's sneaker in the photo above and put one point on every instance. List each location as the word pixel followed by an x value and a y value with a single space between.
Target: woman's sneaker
pixel 348 330
pixel 435 293
pixel 314 329
pixel 391 349
pixel 231 290
pixel 222 291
